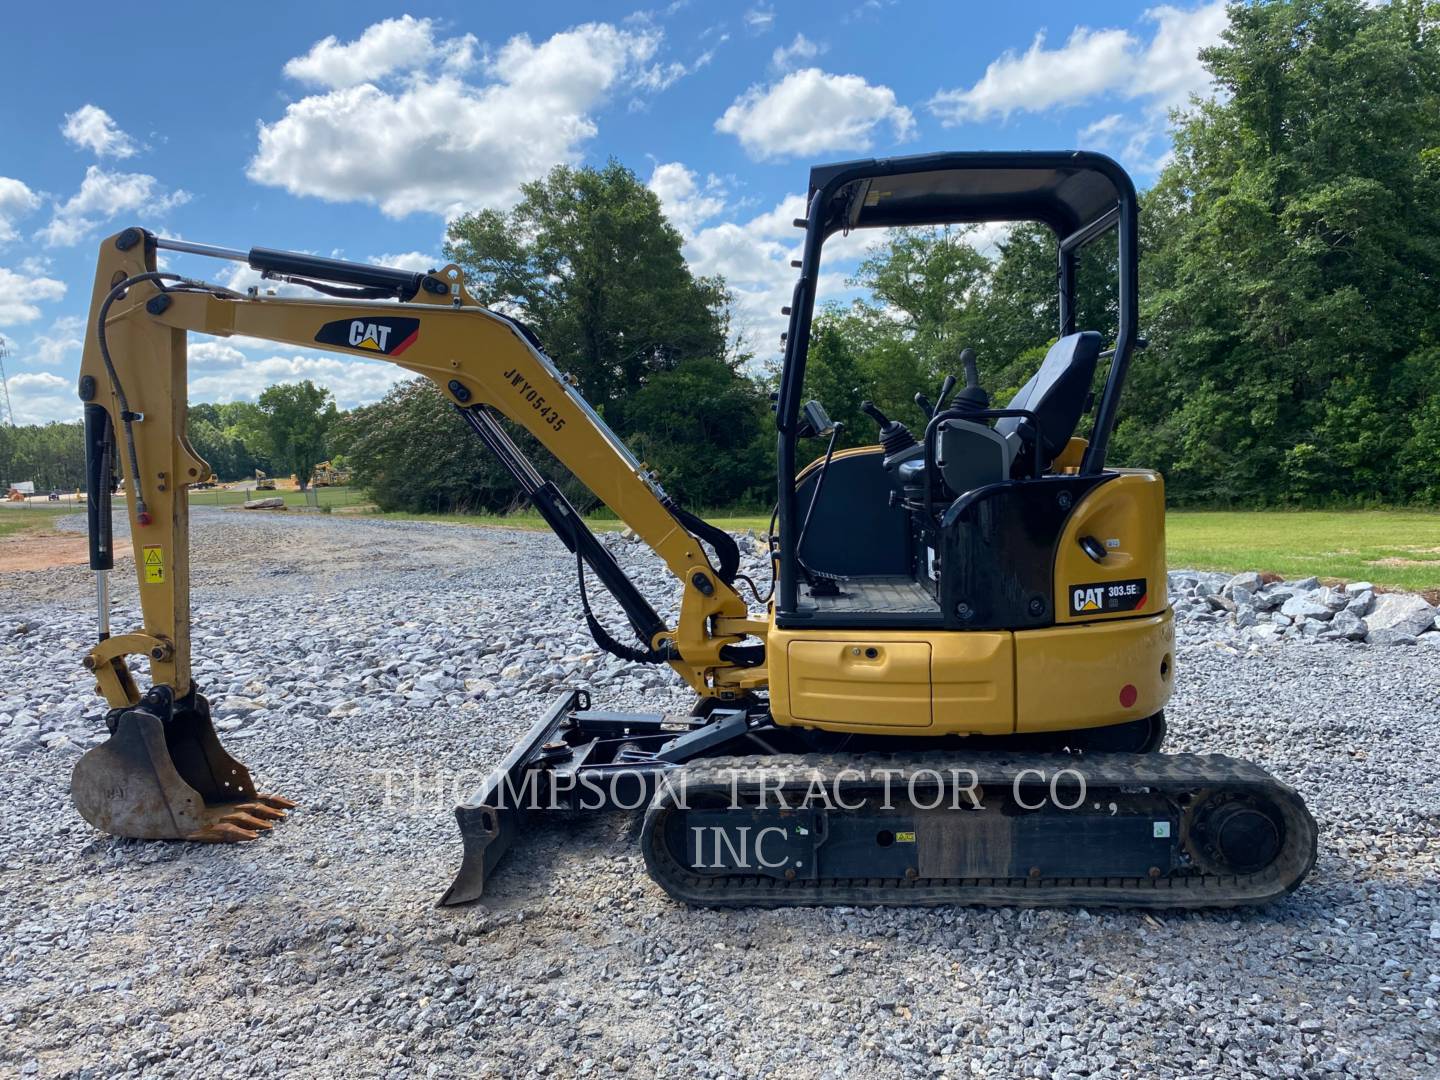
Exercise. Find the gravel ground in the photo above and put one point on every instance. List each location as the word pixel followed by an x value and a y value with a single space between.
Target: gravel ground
pixel 372 670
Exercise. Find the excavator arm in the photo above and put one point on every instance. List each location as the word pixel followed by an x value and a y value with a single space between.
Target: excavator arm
pixel 133 385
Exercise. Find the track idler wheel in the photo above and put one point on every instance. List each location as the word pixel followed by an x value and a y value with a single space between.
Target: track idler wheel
pixel 163 775
pixel 1235 834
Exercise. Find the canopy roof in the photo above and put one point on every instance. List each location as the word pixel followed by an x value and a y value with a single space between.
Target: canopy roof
pixel 1067 190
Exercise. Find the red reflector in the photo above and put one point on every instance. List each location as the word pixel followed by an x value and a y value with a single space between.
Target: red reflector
pixel 142 518
pixel 1128 694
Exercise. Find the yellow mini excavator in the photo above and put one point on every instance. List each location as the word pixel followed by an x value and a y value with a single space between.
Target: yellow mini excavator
pixel 955 696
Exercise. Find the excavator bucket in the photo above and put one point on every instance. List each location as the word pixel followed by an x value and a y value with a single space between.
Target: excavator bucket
pixel 163 775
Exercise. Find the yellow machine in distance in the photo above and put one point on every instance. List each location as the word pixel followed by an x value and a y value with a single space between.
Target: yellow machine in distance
pixel 327 474
pixel 983 599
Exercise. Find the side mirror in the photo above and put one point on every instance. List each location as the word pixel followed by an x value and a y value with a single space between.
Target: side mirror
pixel 814 421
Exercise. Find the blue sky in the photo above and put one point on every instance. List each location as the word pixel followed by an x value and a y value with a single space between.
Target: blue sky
pixel 358 129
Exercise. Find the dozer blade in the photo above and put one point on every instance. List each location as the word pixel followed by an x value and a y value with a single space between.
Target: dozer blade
pixel 490 818
pixel 170 779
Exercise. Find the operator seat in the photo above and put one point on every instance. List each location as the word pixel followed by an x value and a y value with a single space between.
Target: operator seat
pixel 1058 395
pixel 969 454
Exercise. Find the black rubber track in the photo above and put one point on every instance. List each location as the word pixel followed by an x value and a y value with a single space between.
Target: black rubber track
pixel 1184 777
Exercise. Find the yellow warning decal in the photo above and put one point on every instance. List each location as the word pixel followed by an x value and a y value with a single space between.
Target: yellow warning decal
pixel 904 837
pixel 154 565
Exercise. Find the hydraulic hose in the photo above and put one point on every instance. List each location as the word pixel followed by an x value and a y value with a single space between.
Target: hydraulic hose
pixel 127 418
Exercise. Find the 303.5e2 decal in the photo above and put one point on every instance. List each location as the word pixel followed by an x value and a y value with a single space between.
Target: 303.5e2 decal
pixel 1106 597
pixel 386 336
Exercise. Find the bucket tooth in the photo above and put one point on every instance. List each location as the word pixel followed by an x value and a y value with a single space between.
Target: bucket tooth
pixel 266 813
pixel 223 832
pixel 247 821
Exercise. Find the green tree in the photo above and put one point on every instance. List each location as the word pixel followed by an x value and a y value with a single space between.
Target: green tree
pixel 587 258
pixel 49 455
pixel 412 452
pixel 1019 310
pixel 1292 293
pixel 217 434
pixel 290 426
pixel 702 403
pixel 926 282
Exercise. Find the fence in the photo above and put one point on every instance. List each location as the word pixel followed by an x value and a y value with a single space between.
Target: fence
pixel 321 497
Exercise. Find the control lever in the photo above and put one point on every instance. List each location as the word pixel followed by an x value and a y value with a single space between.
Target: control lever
pixel 869 409
pixel 945 388
pixel 973 395
pixel 972 373
pixel 895 437
pixel 925 407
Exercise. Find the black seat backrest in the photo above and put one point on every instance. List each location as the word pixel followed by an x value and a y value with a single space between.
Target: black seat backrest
pixel 1056 394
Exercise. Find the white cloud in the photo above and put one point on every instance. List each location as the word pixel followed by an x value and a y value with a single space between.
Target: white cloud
pixel 91 128
pixel 1088 63
pixel 22 294
pixel 436 142
pixel 38 397
pixel 753 254
pixel 759 18
pixel 987 237
pixel 209 352
pixel 392 45
pixel 802 48
pixel 38 380
pixel 61 345
pixel 352 381
pixel 16 200
pixel 1164 71
pixel 408 260
pixel 659 77
pixel 682 198
pixel 809 112
pixel 1131 138
pixel 242 278
pixel 1170 69
pixel 1102 129
pixel 104 196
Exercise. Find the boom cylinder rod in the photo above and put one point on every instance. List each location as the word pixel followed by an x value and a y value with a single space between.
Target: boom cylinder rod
pixel 102 601
pixel 209 250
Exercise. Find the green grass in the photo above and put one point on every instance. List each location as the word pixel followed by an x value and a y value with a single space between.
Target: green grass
pixel 16 518
pixel 1399 548
pixel 328 496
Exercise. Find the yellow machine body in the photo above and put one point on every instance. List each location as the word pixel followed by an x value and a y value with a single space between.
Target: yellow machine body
pixel 1088 670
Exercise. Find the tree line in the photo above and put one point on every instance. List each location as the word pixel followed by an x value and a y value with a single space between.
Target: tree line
pixel 285 431
pixel 1290 295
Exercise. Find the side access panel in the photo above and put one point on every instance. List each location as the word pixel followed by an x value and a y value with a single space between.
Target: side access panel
pixel 973 679
pixel 1093 674
pixel 934 684
pixel 860 683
